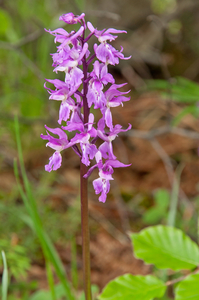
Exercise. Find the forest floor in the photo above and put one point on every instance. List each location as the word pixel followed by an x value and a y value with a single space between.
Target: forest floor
pixel 153 162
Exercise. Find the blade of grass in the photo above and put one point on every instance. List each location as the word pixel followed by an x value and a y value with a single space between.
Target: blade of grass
pixel 29 201
pixel 4 277
pixel 174 197
pixel 173 208
pixel 50 280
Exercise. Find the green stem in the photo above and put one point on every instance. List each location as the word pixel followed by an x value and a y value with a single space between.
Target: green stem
pixel 85 232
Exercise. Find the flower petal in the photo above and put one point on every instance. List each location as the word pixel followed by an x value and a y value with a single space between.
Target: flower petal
pixel 54 162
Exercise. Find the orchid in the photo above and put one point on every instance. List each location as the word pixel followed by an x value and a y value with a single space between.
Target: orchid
pixel 81 90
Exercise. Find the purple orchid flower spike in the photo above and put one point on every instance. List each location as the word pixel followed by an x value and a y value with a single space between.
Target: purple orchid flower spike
pixel 82 90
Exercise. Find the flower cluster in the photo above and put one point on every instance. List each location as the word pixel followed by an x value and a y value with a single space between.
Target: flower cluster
pixel 80 91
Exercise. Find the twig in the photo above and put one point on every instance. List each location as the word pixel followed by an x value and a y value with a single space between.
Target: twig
pixel 148 135
pixel 28 62
pixel 109 227
pixel 169 169
pixel 165 159
pixel 172 282
pixel 174 196
pixel 32 66
pixel 123 214
pixel 29 38
pixel 187 133
pixel 24 40
pixel 132 77
pixel 103 13
pixel 151 137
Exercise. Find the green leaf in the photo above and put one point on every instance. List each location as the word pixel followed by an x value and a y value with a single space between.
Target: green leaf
pixel 191 109
pixel 181 90
pixel 152 216
pixel 166 247
pixel 130 287
pixel 46 295
pixel 162 198
pixel 188 288
pixel 41 295
pixel 158 211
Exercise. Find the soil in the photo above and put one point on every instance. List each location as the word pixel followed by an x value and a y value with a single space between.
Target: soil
pixel 110 247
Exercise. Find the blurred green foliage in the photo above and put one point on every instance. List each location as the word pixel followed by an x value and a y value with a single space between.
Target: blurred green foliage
pixel 45 295
pixel 17 258
pixel 162 6
pixel 159 211
pixel 25 61
pixel 180 90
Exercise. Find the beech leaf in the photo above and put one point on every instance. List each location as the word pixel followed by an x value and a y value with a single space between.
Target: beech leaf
pixel 166 247
pixel 130 287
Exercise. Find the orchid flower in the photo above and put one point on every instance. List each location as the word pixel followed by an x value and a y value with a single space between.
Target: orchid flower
pixel 82 90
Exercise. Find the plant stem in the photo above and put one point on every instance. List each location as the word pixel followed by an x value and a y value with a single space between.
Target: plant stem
pixel 84 194
pixel 85 232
